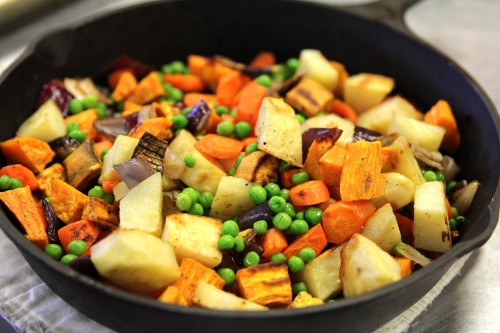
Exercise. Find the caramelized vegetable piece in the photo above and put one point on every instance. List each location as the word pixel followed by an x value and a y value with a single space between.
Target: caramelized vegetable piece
pixel 309 193
pixel 30 152
pixel 152 149
pixel 53 222
pixel 318 148
pixel 84 230
pixel 21 203
pixel 148 89
pixel 67 201
pixel 266 284
pixel 82 166
pixel 125 85
pixel 258 167
pixel 315 239
pixel 159 127
pixel 309 97
pixel 85 121
pixel 45 177
pixel 441 115
pixel 173 295
pixel 101 213
pixel 330 165
pixel 22 173
pixel 304 299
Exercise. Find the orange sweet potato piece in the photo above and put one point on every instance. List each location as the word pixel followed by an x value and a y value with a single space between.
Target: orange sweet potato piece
pixel 45 177
pixel 441 115
pixel 331 164
pixel 148 89
pixel 84 230
pixel 25 175
pixel 85 121
pixel 125 86
pixel 67 201
pixel 159 127
pixel 30 152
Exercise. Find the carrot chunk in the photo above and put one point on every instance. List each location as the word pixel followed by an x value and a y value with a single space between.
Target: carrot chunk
pixel 263 59
pixel 185 82
pixel 250 103
pixel 125 86
pixel 219 146
pixel 315 238
pixel 273 241
pixel 344 110
pixel 309 193
pixel 84 230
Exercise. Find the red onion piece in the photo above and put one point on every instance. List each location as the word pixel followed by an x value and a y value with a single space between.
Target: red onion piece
pixel 198 117
pixel 53 222
pixel 111 127
pixel 133 171
pixel 55 91
pixel 312 134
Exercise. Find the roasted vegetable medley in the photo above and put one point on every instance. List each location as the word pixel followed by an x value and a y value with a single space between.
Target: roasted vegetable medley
pixel 225 185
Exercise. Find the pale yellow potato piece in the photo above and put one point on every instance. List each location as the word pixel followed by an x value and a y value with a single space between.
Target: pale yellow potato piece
pixel 382 228
pixel 419 133
pixel 315 66
pixel 399 191
pixel 121 151
pixel 208 296
pixel 232 198
pixel 365 90
pixel 403 161
pixel 46 123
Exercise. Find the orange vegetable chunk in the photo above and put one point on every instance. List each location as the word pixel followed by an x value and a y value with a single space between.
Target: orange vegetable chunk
pixel 263 59
pixel 219 146
pixel 148 89
pixel 309 193
pixel 315 238
pixel 185 82
pixel 331 164
pixel 85 121
pixel 25 175
pixel 159 127
pixel 30 152
pixel 125 86
pixel 273 241
pixel 250 103
pixel 84 230
pixel 441 115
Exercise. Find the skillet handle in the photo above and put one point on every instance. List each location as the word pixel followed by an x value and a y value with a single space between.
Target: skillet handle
pixel 389 12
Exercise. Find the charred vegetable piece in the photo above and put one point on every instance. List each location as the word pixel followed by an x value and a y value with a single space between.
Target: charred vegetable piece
pixel 258 167
pixel 55 91
pixel 125 62
pixel 133 171
pixel 53 222
pixel 101 213
pixel 260 212
pixel 44 178
pixel 82 166
pixel 85 266
pixel 198 117
pixel 151 149
pixel 309 136
pixel 309 97
pixel 64 146
pixel 361 133
pixel 319 147
pixel 248 70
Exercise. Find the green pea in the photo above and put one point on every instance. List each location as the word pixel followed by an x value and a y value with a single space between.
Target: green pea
pixel 251 259
pixel 225 242
pixel 460 219
pixel 257 194
pixel 277 204
pixel 167 87
pixel 451 185
pixel 453 224
pixel 183 202
pixel 96 192
pixel 101 110
pixel 4 182
pixel 293 64
pixel 71 126
pixel 295 264
pixel 77 247
pixel 221 109
pixel 278 257
pixel 231 171
pixel 196 209
pixel 189 161
pixel 167 69
pixel 75 106
pixel 300 216
pixel 55 251
pixel 285 194
pixel 15 183
pixel 264 80
pixel 260 227
pixel 300 177
pixel 321 114
pixel 290 210
pixel 298 287
pixel 186 110
pixel 103 153
pixel 177 66
pixel 307 254
pixel 440 175
pixel 396 251
pixel 282 221
pixel 66 259
pixel 300 117
pixel 108 197
pixel 230 227
pixel 239 243
pixel 313 215
pixel 242 129
pixel 454 212
pixel 90 101
pixel 77 134
pixel 227 274
pixel 179 121
pixel 272 189
pixel 176 95
pixel 254 146
pixel 298 227
pixel 206 199
pixel 225 128
pixel 238 161
pixel 430 176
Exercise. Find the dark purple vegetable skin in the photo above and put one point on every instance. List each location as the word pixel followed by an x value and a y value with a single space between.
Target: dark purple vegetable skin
pixel 53 222
pixel 111 127
pixel 64 146
pixel 260 212
pixel 85 266
pixel 198 117
pixel 55 91
pixel 312 134
pixel 361 133
pixel 139 69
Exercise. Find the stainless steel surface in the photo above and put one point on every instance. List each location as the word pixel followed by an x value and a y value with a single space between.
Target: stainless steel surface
pixel 468 32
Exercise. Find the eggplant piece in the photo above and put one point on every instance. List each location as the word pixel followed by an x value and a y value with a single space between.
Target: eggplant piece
pixel 134 171
pixel 53 222
pixel 258 167
pixel 361 133
pixel 312 134
pixel 55 91
pixel 85 266
pixel 82 166
pixel 260 212
pixel 198 117
pixel 152 150
pixel 64 146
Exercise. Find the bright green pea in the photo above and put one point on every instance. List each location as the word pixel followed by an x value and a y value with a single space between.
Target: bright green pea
pixel 225 128
pixel 221 109
pixel 108 197
pixel 66 259
pixel 189 161
pixel 251 259
pixel 278 257
pixel 96 192
pixel 103 153
pixel 257 194
pixel 230 227
pixel 254 146
pixel 300 216
pixel 75 106
pixel 176 95
pixel 295 264
pixel 300 177
pixel 298 287
pixel 225 242
pixel 313 215
pixel 206 199
pixel 293 64
pixel 298 227
pixel 242 129
pixel 227 274
pixel 15 183
pixel 307 254
pixel 186 110
pixel 231 172
pixel 183 202
pixel 167 69
pixel 55 251
pixel 260 227
pixel 285 194
pixel 282 221
pixel 277 204
pixel 272 189
pixel 90 101
pixel 300 117
pixel 179 121
pixel 440 175
pixel 264 80
pixel 4 182
pixel 71 126
pixel 453 224
pixel 167 87
pixel 430 176
pixel 290 210
pixel 451 185
pixel 396 251
pixel 177 66
pixel 239 243
pixel 77 134
pixel 238 161
pixel 454 212
pixel 101 110
pixel 196 209
pixel 77 247
pixel 460 219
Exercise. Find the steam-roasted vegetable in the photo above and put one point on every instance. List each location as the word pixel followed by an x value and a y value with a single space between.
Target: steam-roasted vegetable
pixel 152 150
pixel 259 168
pixel 82 166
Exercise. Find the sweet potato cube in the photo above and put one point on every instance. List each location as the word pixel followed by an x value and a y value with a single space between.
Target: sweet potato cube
pixel 148 89
pixel 309 97
pixel 30 152
pixel 44 178
pixel 266 284
pixel 101 213
pixel 304 299
pixel 67 201
pixel 85 121
pixel 173 295
pixel 330 165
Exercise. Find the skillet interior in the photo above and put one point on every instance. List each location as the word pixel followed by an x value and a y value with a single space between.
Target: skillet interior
pixel 166 31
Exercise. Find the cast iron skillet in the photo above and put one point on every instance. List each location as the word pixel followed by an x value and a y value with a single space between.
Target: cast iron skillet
pixel 160 32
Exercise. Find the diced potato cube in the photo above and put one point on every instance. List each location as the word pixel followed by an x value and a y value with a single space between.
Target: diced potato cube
pixel 401 160
pixel 382 228
pixel 46 123
pixel 232 198
pixel 399 191
pixel 365 90
pixel 121 151
pixel 419 133
pixel 208 296
pixel 315 66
